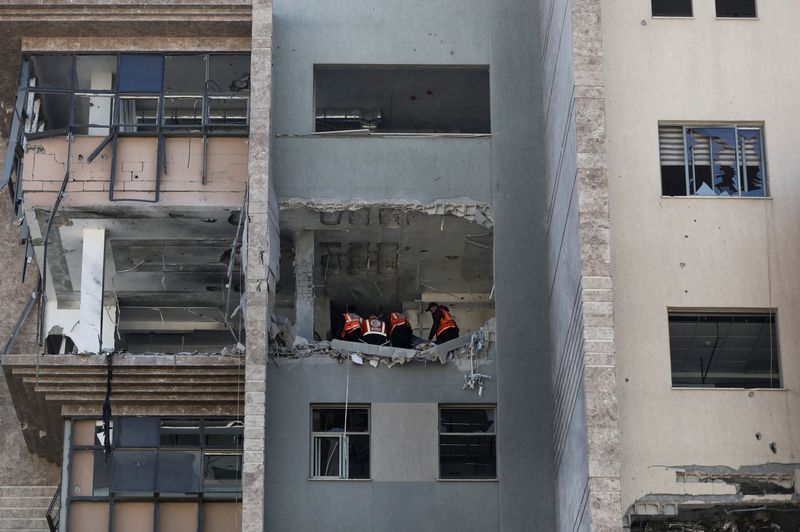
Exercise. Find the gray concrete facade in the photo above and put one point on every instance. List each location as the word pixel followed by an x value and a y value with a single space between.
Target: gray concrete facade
pixel 403 493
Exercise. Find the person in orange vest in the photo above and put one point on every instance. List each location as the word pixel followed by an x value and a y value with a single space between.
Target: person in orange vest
pixel 400 332
pixel 373 331
pixel 444 326
pixel 351 329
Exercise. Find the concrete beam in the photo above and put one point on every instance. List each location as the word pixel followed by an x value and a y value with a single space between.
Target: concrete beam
pixel 90 331
pixel 304 284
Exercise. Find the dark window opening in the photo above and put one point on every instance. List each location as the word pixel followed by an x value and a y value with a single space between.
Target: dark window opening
pixel 59 344
pixel 337 453
pixel 467 443
pixel 51 71
pixel 724 350
pixel 433 99
pixel 672 8
pixel 736 8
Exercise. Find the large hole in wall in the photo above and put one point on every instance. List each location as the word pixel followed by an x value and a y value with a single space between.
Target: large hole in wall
pixel 383 259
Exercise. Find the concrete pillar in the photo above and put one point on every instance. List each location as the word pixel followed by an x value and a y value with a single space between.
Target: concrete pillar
pixel 304 284
pixel 260 281
pixel 93 264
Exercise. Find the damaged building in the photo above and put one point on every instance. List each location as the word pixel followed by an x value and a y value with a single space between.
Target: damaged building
pixel 195 195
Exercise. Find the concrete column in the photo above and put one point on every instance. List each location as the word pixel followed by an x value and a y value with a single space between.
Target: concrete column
pixel 304 284
pixel 93 264
pixel 260 282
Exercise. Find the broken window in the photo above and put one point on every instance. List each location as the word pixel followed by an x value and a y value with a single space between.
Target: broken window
pixel 672 8
pixel 712 161
pixel 736 8
pixel 49 113
pixel 138 93
pixel 95 72
pixel 52 71
pixel 467 442
pixel 340 442
pixel 724 349
pixel 391 99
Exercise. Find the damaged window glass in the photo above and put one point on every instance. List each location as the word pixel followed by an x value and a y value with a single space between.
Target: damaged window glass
pixel 712 161
pixel 736 8
pixel 724 350
pixel 138 93
pixel 337 453
pixel 672 8
pixel 52 71
pixel 467 443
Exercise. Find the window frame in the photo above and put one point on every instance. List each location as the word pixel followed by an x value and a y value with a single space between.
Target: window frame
pixel 724 17
pixel 206 128
pixel 689 16
pixel 706 311
pixel 687 164
pixel 155 498
pixel 493 434
pixel 343 442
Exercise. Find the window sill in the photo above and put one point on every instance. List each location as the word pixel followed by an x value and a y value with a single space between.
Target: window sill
pixel 339 479
pixel 736 18
pixel 672 17
pixel 701 388
pixel 350 134
pixel 758 198
pixel 467 480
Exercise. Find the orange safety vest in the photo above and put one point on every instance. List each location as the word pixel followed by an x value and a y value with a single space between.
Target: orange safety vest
pixel 373 325
pixel 447 322
pixel 352 322
pixel 395 319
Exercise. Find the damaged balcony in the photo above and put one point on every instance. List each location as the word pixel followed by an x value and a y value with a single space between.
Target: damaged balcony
pixel 169 129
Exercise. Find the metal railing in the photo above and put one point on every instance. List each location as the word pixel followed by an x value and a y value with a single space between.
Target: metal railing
pixel 54 511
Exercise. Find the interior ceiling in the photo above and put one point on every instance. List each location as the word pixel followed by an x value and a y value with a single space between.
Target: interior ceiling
pixel 175 257
pixel 384 257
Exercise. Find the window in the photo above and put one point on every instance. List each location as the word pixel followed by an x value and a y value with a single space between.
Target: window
pixel 726 160
pixel 338 453
pixel 736 8
pixel 132 93
pixel 724 349
pixel 408 99
pixel 467 442
pixel 672 8
pixel 183 470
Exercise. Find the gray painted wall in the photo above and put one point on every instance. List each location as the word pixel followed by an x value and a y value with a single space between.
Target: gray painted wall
pixel 414 32
pixel 403 494
pixel 525 436
pixel 564 272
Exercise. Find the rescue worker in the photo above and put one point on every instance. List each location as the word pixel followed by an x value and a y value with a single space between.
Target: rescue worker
pixel 351 329
pixel 373 331
pixel 444 326
pixel 400 332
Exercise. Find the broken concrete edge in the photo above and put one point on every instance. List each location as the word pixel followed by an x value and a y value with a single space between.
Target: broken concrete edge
pixel 772 485
pixel 467 208
pixel 476 344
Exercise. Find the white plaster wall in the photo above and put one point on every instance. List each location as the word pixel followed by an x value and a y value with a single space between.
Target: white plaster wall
pixel 737 253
